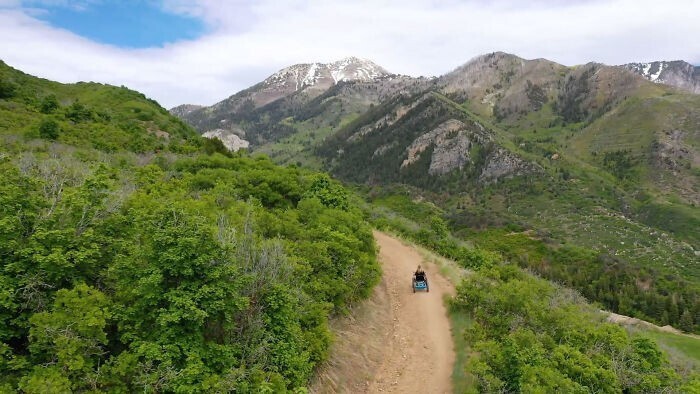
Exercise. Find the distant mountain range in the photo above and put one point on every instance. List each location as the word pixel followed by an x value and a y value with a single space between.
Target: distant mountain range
pixel 297 85
pixel 360 113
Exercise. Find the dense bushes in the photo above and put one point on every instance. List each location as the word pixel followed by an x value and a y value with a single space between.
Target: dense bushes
pixel 93 115
pixel 529 335
pixel 202 273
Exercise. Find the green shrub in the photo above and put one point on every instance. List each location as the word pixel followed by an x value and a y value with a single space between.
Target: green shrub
pixel 529 335
pixel 49 129
pixel 49 104
pixel 7 88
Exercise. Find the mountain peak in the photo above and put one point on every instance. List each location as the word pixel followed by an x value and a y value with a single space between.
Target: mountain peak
pixel 352 59
pixel 323 75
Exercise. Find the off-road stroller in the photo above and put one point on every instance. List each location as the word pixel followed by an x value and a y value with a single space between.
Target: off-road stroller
pixel 420 282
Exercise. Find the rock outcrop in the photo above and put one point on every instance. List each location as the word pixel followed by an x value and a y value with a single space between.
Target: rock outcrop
pixel 451 142
pixel 231 141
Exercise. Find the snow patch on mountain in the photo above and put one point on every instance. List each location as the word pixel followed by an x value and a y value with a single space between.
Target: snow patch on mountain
pixel 324 75
pixel 674 73
pixel 653 77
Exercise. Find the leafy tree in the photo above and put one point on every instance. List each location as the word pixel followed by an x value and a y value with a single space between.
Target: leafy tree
pixel 72 334
pixel 686 321
pixel 531 336
pixel 49 129
pixel 46 380
pixel 49 104
pixel 77 112
pixel 214 145
pixel 329 193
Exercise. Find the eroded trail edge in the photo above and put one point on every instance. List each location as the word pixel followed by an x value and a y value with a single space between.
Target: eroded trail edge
pixel 397 341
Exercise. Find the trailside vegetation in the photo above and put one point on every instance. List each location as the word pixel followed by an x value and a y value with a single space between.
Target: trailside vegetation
pixel 529 335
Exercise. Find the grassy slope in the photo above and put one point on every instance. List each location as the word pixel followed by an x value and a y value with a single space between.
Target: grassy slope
pixel 299 148
pixel 681 348
pixel 105 117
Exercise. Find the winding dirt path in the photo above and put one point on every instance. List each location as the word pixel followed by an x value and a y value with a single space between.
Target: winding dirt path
pixel 397 341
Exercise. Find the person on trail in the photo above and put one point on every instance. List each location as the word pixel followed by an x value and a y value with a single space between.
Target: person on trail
pixel 420 277
pixel 419 274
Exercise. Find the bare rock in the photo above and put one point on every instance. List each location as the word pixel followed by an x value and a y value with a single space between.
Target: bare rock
pixel 231 140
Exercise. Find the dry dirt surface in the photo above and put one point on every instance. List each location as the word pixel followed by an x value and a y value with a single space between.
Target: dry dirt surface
pixel 397 341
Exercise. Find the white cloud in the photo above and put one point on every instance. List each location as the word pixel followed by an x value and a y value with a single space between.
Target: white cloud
pixel 249 40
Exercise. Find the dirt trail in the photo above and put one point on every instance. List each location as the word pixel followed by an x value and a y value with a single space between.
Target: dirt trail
pixel 398 341
pixel 633 321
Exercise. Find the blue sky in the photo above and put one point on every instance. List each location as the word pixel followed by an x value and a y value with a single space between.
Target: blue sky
pixel 127 24
pixel 202 51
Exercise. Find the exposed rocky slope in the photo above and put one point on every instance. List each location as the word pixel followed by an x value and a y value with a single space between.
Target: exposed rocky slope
pixel 181 111
pixel 231 141
pixel 507 87
pixel 416 139
pixel 676 73
pixel 503 84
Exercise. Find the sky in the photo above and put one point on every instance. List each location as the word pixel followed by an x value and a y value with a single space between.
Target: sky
pixel 202 51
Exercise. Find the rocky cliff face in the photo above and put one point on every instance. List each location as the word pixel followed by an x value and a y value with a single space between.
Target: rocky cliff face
pixel 676 73
pixel 501 163
pixel 419 139
pixel 231 141
pixel 451 141
pixel 181 111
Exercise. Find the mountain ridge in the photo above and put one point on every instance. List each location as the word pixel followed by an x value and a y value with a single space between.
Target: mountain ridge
pixel 678 73
pixel 538 79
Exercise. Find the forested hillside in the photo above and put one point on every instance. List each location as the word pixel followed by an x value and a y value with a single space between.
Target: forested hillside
pixel 137 256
